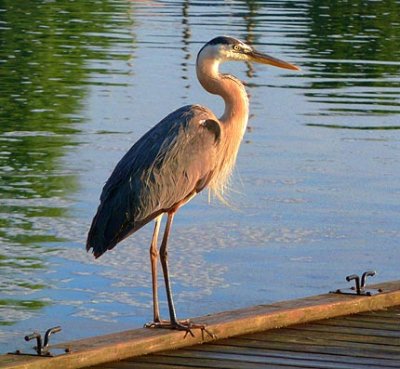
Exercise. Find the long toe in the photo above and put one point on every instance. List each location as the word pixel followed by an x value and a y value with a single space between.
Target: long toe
pixel 157 324
pixel 181 325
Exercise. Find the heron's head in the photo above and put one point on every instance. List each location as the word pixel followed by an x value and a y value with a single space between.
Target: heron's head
pixel 226 48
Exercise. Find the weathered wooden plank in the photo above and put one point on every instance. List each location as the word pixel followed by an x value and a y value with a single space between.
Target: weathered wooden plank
pixel 19 361
pixel 347 359
pixel 287 354
pixel 216 363
pixel 361 324
pixel 293 351
pixel 369 320
pixel 246 360
pixel 322 346
pixel 143 365
pixel 126 344
pixel 384 312
pixel 338 339
pixel 355 331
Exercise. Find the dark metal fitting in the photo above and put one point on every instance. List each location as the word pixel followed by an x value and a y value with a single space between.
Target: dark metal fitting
pixel 49 332
pixel 370 273
pixel 360 285
pixel 41 348
pixel 356 278
pixel 38 337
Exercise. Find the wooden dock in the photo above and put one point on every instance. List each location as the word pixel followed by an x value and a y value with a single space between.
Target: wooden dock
pixel 361 341
pixel 325 331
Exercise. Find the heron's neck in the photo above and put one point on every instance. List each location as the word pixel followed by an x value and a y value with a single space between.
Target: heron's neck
pixel 230 89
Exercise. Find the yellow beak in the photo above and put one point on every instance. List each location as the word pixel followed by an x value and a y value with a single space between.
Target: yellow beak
pixel 258 57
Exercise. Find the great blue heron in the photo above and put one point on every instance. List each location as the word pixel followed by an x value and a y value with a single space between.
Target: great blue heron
pixel 187 151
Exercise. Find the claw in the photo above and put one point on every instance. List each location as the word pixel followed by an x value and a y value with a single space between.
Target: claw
pixel 212 335
pixel 188 330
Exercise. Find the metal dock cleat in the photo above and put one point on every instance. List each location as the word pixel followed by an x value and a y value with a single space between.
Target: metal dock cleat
pixel 360 285
pixel 42 346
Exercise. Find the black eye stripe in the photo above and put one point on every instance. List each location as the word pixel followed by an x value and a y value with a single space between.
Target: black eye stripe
pixel 222 40
pixel 233 43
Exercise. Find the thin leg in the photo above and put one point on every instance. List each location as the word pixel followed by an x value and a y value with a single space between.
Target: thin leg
pixel 173 323
pixel 164 264
pixel 153 261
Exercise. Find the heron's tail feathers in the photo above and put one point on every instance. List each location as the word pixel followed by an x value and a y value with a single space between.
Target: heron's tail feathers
pixel 106 231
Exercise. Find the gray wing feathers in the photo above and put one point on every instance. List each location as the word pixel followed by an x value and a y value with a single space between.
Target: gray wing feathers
pixel 171 162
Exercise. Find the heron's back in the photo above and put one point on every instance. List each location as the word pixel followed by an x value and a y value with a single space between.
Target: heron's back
pixel 168 165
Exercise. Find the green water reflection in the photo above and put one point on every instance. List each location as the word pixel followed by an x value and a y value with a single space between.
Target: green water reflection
pixel 355 58
pixel 45 54
pixel 356 30
pixel 9 308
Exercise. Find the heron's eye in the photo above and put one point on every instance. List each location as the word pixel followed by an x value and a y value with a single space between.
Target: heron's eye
pixel 237 48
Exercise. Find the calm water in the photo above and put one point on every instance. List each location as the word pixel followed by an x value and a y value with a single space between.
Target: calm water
pixel 315 195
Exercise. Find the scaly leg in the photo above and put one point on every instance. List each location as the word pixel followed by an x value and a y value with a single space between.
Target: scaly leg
pixel 157 322
pixel 164 264
pixel 185 325
pixel 153 261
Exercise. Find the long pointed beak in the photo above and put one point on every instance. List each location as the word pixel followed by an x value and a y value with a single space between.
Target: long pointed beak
pixel 258 57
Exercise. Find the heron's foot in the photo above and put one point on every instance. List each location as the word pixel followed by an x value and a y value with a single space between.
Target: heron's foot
pixel 181 325
pixel 166 324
